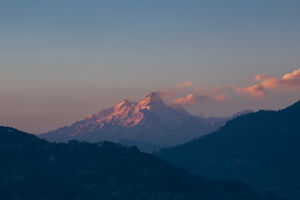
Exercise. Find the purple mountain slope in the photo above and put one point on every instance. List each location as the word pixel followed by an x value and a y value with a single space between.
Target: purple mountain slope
pixel 148 121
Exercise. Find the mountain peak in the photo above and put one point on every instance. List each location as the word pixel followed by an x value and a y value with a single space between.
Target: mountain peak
pixel 152 100
pixel 123 103
pixel 148 121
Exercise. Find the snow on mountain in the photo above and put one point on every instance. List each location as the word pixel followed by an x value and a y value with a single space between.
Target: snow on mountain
pixel 148 121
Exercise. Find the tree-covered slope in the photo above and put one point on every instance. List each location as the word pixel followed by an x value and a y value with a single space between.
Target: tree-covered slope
pixel 260 148
pixel 31 168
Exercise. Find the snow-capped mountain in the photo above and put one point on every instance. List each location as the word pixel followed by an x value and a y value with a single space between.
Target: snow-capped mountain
pixel 148 121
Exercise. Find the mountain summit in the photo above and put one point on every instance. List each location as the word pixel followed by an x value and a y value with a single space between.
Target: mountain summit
pixel 125 114
pixel 148 121
pixel 151 101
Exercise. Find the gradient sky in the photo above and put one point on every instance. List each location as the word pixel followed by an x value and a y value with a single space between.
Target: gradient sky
pixel 61 60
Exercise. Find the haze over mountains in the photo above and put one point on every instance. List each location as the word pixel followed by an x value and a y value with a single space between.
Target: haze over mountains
pixel 31 168
pixel 149 124
pixel 259 148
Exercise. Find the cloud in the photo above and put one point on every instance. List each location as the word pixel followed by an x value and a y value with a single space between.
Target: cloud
pixel 287 81
pixel 221 97
pixel 163 93
pixel 173 91
pixel 196 98
pixel 261 77
pixel 291 80
pixel 190 99
pixel 186 84
pixel 254 90
pixel 208 91
pixel 185 94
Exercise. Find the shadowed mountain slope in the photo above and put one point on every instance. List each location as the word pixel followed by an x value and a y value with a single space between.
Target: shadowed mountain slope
pixel 31 168
pixel 149 121
pixel 259 148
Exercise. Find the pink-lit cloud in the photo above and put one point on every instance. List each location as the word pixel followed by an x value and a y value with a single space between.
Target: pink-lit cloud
pixel 291 80
pixel 164 93
pixel 221 97
pixel 265 83
pixel 208 91
pixel 186 84
pixel 186 93
pixel 190 99
pixel 261 77
pixel 175 90
pixel 254 90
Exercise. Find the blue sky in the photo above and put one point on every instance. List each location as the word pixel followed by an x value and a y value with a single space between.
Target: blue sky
pixel 61 60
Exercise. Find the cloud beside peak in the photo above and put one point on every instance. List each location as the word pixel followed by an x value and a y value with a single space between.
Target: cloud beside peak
pixel 190 99
pixel 163 93
pixel 186 84
pixel 196 98
pixel 221 97
pixel 291 80
pixel 261 77
pixel 287 81
pixel 254 90
pixel 186 93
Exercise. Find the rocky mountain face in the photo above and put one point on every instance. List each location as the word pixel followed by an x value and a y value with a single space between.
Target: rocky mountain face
pixel 259 148
pixel 31 168
pixel 149 121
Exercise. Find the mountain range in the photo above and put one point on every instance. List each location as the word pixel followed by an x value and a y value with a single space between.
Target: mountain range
pixel 32 168
pixel 150 124
pixel 259 148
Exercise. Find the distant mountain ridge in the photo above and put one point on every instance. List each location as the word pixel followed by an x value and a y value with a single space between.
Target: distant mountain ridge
pixel 32 168
pixel 148 121
pixel 259 148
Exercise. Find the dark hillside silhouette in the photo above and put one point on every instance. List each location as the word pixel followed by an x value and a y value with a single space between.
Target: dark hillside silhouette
pixel 31 168
pixel 260 148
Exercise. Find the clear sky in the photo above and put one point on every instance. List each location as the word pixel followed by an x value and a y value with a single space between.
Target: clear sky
pixel 61 60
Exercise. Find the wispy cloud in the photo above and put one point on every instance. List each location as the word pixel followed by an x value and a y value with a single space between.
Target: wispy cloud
pixel 164 93
pixel 253 90
pixel 190 99
pixel 174 91
pixel 186 84
pixel 186 93
pixel 221 97
pixel 261 77
pixel 265 83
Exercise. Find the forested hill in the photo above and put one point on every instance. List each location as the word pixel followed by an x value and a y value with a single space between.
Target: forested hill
pixel 260 148
pixel 31 168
